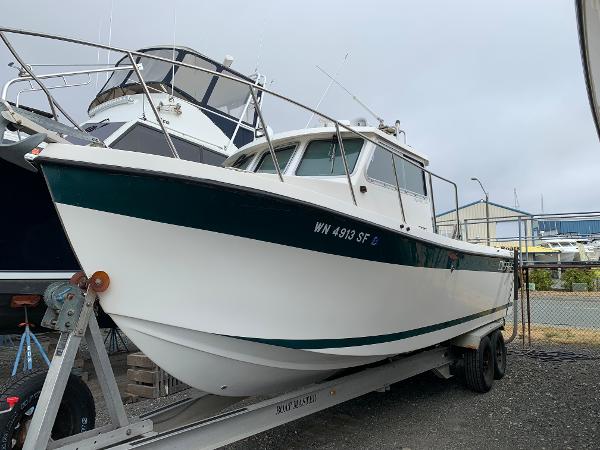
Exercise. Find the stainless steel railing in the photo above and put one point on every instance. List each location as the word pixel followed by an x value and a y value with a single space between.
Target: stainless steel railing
pixel 253 87
pixel 62 75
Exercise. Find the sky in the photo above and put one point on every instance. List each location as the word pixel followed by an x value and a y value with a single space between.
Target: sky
pixel 485 89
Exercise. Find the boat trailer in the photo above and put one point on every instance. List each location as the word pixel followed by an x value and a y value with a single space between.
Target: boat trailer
pixel 191 423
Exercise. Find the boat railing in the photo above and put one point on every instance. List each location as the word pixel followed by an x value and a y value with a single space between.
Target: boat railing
pixel 253 89
pixel 61 75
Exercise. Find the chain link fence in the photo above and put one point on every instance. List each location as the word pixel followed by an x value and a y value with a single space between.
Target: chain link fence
pixel 559 269
pixel 560 304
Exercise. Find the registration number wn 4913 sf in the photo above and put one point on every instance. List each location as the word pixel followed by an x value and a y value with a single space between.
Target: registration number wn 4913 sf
pixel 349 234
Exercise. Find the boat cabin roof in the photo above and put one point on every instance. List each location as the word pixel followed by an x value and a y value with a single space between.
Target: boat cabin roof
pixel 288 137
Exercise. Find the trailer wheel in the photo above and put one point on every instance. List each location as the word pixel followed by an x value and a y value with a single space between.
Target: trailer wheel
pixel 479 366
pixel 499 354
pixel 77 412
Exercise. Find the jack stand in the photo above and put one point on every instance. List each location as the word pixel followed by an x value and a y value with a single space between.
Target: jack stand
pixel 26 339
pixel 71 311
pixel 113 337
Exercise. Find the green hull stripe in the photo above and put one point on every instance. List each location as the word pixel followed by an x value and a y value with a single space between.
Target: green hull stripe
pixel 238 211
pixel 312 344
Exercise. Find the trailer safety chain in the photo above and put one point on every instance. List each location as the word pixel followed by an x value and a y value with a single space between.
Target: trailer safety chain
pixel 12 402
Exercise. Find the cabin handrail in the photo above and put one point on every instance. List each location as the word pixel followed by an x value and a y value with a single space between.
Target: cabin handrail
pixel 345 161
pixel 266 131
pixel 251 86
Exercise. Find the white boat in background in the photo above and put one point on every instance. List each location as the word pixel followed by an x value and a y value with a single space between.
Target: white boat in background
pixel 588 251
pixel 595 245
pixel 571 250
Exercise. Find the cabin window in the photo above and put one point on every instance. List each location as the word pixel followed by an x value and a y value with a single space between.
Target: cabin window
pixel 381 167
pixel 243 162
pixel 143 139
pixel 323 158
pixel 284 154
pixel 410 177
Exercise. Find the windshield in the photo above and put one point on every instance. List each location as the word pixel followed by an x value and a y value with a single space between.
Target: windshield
pixel 211 92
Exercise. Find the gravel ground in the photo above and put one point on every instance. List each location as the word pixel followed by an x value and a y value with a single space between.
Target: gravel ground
pixel 550 398
pixel 547 400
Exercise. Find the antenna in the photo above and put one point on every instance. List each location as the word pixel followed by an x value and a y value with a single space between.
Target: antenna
pixel 542 201
pixel 261 37
pixel 98 51
pixel 173 57
pixel 354 97
pixel 112 4
pixel 337 73
pixel 516 198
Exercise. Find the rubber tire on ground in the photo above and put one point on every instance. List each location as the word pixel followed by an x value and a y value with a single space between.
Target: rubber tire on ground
pixel 77 412
pixel 499 348
pixel 479 366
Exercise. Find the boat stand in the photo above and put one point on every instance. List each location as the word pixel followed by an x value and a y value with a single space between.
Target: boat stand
pixel 25 344
pixel 190 423
pixel 115 340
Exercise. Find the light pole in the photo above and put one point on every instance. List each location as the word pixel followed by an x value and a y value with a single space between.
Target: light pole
pixel 487 209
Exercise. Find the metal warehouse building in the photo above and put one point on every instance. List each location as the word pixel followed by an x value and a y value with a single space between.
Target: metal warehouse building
pixel 563 227
pixel 503 222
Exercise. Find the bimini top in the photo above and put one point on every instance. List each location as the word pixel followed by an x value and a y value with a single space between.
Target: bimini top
pixel 216 94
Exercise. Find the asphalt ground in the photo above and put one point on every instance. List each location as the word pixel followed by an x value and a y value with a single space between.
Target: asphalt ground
pixel 576 310
pixel 549 399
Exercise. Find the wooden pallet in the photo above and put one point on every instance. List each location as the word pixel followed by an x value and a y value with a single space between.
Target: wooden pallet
pixel 147 380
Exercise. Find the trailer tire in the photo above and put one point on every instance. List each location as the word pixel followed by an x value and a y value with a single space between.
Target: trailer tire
pixel 479 366
pixel 76 414
pixel 499 354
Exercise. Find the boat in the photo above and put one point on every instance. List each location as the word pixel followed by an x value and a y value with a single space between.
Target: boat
pixel 310 252
pixel 240 284
pixel 535 253
pixel 595 244
pixel 571 250
pixel 206 122
pixel 588 250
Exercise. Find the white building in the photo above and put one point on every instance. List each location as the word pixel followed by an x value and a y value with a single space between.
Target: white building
pixel 503 223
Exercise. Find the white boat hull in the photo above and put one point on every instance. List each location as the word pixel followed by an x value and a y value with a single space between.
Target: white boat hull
pixel 234 315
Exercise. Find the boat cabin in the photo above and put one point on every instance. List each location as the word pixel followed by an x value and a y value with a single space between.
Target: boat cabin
pixel 208 117
pixel 389 184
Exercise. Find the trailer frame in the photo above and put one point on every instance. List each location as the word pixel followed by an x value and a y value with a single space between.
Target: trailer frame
pixel 192 423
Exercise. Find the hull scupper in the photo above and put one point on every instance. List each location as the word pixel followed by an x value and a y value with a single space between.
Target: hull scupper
pixel 229 279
